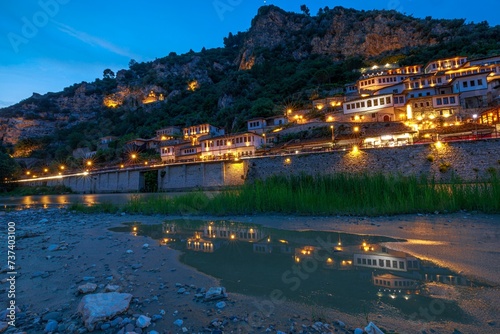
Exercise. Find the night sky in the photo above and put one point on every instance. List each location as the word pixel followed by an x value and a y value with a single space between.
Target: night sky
pixel 46 45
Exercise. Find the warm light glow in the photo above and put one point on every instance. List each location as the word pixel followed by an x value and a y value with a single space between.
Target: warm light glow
pixel 62 167
pixel 45 170
pixel 89 163
pixel 355 129
pixel 439 144
pixel 122 166
pixel 135 228
pixel 355 149
pixel 329 119
pixel 233 236
pixel 146 163
pixel 329 260
pixel 28 173
pixel 193 85
pixel 133 156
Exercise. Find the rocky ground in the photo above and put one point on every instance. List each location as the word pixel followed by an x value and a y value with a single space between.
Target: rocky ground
pixel 64 258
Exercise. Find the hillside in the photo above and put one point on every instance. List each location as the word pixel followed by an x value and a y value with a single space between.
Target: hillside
pixel 284 60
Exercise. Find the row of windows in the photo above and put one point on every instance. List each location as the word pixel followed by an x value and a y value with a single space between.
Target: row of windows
pixel 423 82
pixel 242 235
pixel 380 81
pixel 227 142
pixel 254 124
pixel 472 83
pixel 427 104
pixel 199 129
pixel 369 103
pixel 381 263
pixel 448 63
pixel 483 70
pixel 189 151
pixel 405 70
pixel 445 100
pixel 396 283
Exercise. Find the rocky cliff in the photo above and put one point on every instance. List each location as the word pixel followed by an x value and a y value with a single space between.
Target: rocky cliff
pixel 340 33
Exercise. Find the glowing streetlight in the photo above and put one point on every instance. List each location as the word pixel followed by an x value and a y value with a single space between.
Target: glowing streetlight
pixel 62 167
pixel 333 137
pixel 475 124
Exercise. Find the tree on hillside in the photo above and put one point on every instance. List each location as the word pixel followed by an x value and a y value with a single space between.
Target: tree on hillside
pixel 108 74
pixel 305 10
pixel 8 167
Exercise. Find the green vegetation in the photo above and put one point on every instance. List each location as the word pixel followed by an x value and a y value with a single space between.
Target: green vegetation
pixel 8 167
pixel 341 194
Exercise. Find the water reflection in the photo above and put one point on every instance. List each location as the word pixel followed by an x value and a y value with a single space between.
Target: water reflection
pixel 354 273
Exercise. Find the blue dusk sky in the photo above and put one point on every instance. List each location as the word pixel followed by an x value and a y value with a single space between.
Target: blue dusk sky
pixel 46 45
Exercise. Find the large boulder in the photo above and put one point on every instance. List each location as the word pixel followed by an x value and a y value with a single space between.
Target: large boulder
pixel 102 306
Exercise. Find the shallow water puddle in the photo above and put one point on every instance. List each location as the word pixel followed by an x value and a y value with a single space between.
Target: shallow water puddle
pixel 353 273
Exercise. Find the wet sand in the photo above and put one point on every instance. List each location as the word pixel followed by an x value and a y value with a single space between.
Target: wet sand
pixel 88 252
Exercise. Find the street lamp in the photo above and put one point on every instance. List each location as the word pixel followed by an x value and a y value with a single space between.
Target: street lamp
pixel 356 130
pixel 333 136
pixel 475 125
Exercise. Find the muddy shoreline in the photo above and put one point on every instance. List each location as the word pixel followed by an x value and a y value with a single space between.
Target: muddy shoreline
pixel 57 251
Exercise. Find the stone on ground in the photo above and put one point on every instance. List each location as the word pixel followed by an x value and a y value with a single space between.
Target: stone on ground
pixel 102 306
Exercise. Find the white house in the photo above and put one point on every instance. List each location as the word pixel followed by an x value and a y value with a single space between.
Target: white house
pixel 168 133
pixel 472 88
pixel 386 260
pixel 194 132
pixel 264 124
pixel 444 64
pixel 394 282
pixel 371 109
pixel 230 146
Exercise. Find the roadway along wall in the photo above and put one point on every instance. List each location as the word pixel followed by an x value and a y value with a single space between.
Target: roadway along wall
pixel 471 161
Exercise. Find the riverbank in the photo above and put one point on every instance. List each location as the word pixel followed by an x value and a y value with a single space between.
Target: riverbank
pixel 59 250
